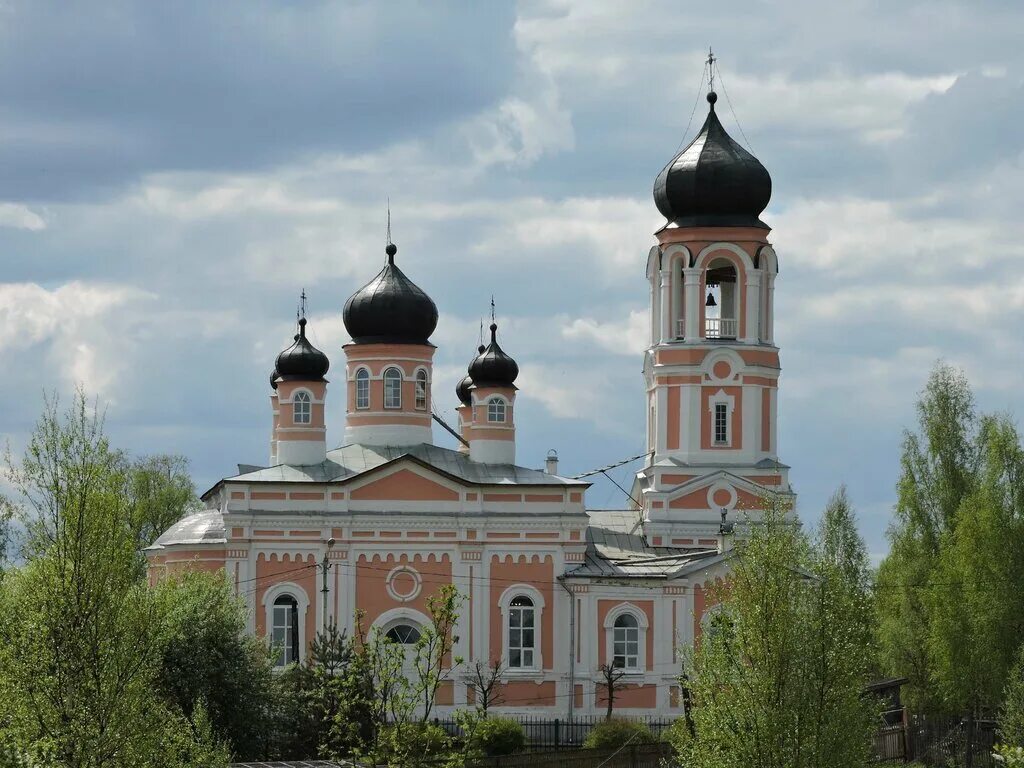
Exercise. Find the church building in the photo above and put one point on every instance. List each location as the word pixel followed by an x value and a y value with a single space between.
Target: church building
pixel 551 589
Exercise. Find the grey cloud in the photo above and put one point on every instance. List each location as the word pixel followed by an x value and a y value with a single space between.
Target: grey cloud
pixel 94 95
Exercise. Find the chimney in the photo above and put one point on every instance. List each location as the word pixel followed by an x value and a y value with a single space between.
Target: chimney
pixel 551 462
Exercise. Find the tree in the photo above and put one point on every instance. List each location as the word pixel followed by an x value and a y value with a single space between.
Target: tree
pixel 777 681
pixel 79 633
pixel 484 680
pixel 938 470
pixel 839 543
pixel 405 682
pixel 950 611
pixel 161 494
pixel 611 682
pixel 975 602
pixel 208 660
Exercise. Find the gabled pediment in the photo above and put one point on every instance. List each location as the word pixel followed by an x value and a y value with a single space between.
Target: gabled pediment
pixel 716 490
pixel 403 481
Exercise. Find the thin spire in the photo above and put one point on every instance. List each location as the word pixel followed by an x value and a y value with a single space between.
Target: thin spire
pixel 711 69
pixel 302 302
pixel 481 332
pixel 492 307
pixel 389 222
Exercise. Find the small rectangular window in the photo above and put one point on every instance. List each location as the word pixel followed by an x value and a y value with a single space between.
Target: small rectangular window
pixel 721 424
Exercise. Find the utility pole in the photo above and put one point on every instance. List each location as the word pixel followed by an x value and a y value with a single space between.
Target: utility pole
pixel 325 567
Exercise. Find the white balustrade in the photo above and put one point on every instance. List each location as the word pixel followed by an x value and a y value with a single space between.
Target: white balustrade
pixel 720 327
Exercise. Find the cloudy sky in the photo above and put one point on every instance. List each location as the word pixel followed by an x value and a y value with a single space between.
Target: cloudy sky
pixel 173 174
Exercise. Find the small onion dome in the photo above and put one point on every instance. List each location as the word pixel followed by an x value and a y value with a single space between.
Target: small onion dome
pixel 391 309
pixel 302 360
pixel 273 378
pixel 462 390
pixel 492 367
pixel 714 182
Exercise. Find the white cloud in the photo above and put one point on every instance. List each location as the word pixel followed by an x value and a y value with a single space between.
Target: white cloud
pixel 857 237
pixel 19 216
pixel 628 336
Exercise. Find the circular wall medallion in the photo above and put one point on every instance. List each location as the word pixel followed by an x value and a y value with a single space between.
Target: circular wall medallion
pixel 721 369
pixel 721 495
pixel 403 583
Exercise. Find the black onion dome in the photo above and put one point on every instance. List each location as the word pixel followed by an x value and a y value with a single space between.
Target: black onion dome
pixel 391 308
pixel 273 378
pixel 302 360
pixel 492 367
pixel 462 390
pixel 714 182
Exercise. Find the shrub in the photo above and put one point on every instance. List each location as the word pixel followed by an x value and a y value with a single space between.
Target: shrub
pixel 612 734
pixel 411 744
pixel 678 735
pixel 1011 757
pixel 500 736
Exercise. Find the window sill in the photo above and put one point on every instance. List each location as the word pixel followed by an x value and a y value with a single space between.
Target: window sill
pixel 522 671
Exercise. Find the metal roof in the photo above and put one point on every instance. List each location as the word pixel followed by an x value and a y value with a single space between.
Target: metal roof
pixel 203 527
pixel 349 461
pixel 617 548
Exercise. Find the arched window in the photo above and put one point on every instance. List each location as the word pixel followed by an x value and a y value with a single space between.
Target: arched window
pixel 392 388
pixel 721 308
pixel 403 634
pixel 362 388
pixel 302 408
pixel 284 633
pixel 496 410
pixel 421 390
pixel 521 636
pixel 626 642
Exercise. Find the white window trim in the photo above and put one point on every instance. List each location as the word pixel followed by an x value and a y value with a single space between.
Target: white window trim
pixel 292 590
pixel 395 616
pixel 296 398
pixel 505 410
pixel 642 627
pixel 401 380
pixel 368 379
pixel 426 389
pixel 504 602
pixel 721 398
pixel 403 615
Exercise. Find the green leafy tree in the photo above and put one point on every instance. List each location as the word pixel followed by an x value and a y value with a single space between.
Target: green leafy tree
pixel 975 602
pixel 1011 720
pixel 949 607
pixel 161 493
pixel 209 662
pixel 405 682
pixel 777 681
pixel 839 543
pixel 938 470
pixel 80 634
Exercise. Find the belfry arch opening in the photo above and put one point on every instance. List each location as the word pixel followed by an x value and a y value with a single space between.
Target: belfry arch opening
pixel 721 305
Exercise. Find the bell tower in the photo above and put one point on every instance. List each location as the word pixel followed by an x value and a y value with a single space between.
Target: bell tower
pixel 712 368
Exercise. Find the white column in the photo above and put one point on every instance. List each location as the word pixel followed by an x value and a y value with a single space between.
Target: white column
pixel 668 330
pixel 751 426
pixel 661 418
pixel 753 306
pixel 662 629
pixel 769 315
pixel 481 610
pixel 691 301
